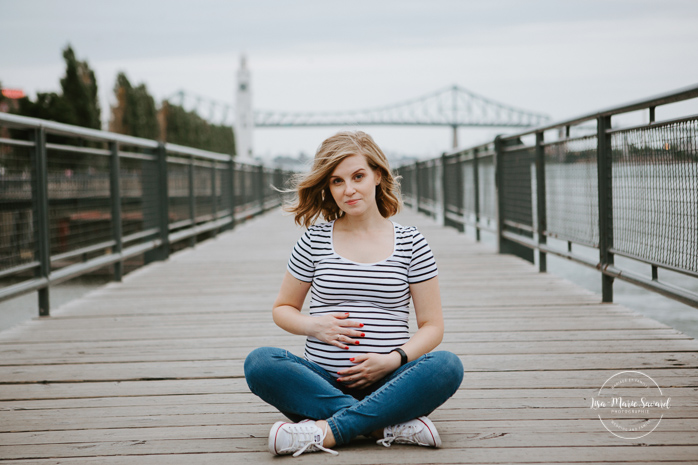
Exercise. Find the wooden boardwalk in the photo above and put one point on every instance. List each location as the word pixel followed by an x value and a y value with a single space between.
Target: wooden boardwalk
pixel 149 371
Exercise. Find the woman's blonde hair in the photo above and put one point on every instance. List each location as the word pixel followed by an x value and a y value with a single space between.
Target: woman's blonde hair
pixel 313 197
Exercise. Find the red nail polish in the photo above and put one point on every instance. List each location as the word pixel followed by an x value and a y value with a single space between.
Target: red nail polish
pixel 361 325
pixel 351 359
pixel 356 342
pixel 346 314
pixel 346 348
pixel 363 335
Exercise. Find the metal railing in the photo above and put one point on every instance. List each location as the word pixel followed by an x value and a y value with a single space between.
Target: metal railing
pixel 74 200
pixel 630 192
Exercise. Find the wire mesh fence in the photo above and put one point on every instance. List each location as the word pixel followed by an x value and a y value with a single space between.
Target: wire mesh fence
pixel 469 189
pixel 179 206
pixel 79 213
pixel 406 176
pixel 453 186
pixel 17 239
pixel 516 189
pixel 203 191
pixel 487 190
pixel 426 186
pixel 246 186
pixel 655 194
pixel 571 185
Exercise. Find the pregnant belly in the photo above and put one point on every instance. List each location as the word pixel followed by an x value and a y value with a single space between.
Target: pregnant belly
pixel 381 336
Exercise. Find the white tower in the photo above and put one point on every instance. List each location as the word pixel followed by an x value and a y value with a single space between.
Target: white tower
pixel 244 118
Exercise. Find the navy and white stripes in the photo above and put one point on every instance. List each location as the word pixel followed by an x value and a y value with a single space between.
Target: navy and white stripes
pixel 375 294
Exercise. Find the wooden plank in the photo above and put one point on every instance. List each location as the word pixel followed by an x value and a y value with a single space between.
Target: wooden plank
pixel 570 379
pixel 462 409
pixel 522 361
pixel 449 432
pixel 214 317
pixel 222 440
pixel 234 331
pixel 39 351
pixel 471 397
pixel 478 421
pixel 223 367
pixel 548 417
pixel 367 453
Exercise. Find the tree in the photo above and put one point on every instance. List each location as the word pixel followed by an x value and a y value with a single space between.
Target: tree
pixel 77 104
pixel 48 105
pixel 135 113
pixel 187 128
pixel 80 91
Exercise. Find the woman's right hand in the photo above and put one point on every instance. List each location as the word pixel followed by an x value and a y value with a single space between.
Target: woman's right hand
pixel 336 329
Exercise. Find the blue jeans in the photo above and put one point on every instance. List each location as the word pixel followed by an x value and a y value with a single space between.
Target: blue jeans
pixel 301 389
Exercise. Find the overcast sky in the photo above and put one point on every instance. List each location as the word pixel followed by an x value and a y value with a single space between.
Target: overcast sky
pixel 559 57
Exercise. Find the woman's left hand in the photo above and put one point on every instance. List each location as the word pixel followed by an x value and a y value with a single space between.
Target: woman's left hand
pixel 369 369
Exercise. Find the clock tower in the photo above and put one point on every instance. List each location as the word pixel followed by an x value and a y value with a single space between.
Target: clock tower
pixel 244 118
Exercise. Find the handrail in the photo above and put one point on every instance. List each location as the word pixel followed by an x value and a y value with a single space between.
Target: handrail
pixel 182 150
pixel 459 151
pixel 26 122
pixel 684 93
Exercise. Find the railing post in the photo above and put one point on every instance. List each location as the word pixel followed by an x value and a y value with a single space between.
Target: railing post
pixel 214 198
pixel 460 189
pixel 164 189
pixel 476 193
pixel 115 191
pixel 192 200
pixel 605 186
pixel 415 176
pixel 41 234
pixel 463 192
pixel 279 179
pixel 231 180
pixel 499 189
pixel 260 187
pixel 440 190
pixel 161 200
pixel 541 201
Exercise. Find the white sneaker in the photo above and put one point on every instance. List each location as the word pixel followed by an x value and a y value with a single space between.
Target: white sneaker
pixel 420 431
pixel 296 438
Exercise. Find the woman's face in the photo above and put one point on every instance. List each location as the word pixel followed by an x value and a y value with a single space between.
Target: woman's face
pixel 353 185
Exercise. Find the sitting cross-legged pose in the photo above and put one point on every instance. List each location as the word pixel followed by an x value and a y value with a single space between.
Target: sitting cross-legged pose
pixel 362 373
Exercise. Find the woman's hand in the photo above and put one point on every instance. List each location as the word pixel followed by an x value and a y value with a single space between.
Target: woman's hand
pixel 335 329
pixel 369 369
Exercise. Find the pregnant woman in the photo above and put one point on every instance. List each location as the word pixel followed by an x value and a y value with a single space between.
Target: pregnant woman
pixel 362 373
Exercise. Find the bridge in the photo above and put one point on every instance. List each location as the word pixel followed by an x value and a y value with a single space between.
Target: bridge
pixel 148 369
pixel 452 107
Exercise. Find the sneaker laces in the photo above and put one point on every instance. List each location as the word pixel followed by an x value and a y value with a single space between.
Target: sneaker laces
pixel 402 433
pixel 305 438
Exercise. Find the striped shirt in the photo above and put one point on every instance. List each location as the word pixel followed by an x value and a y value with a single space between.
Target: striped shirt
pixel 375 294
